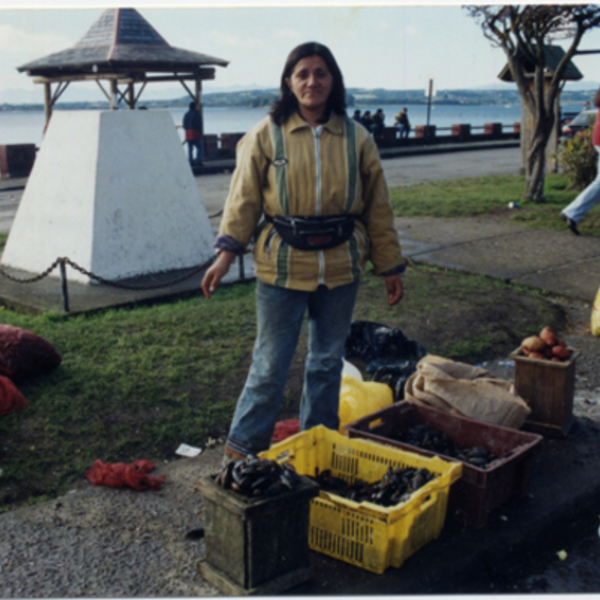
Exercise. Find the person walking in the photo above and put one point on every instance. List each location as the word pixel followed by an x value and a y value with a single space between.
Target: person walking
pixel 307 164
pixel 356 116
pixel 192 123
pixel 573 213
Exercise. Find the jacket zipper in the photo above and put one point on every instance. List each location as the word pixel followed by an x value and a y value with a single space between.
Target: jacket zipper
pixel 317 133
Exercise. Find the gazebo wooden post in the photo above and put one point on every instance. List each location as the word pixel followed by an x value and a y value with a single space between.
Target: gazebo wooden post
pixel 198 96
pixel 131 95
pixel 47 101
pixel 114 91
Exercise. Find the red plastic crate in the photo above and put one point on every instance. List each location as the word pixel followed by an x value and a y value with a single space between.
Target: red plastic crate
pixel 479 491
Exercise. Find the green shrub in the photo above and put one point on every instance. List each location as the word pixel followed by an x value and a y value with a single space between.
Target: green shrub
pixel 578 159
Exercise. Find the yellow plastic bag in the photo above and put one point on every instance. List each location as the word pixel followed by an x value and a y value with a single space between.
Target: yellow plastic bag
pixel 361 398
pixel 596 315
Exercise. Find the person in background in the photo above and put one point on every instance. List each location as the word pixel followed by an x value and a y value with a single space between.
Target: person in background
pixel 356 116
pixel 306 161
pixel 192 123
pixel 402 123
pixel 573 213
pixel 367 121
pixel 378 124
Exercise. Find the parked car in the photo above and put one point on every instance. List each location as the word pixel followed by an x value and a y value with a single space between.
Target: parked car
pixel 579 123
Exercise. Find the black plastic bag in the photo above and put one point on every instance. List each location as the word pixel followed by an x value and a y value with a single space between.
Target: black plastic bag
pixel 389 354
pixel 395 375
pixel 369 341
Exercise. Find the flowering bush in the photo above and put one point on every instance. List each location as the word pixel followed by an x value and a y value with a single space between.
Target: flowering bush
pixel 578 158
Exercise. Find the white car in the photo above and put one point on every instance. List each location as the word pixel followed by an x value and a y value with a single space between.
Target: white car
pixel 579 123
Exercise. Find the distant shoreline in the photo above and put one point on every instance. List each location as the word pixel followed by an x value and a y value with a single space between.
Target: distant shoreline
pixel 355 97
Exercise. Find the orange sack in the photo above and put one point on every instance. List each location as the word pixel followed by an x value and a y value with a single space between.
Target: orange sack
pixel 284 429
pixel 11 398
pixel 117 475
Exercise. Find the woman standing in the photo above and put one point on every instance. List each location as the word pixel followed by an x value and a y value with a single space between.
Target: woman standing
pixel 315 177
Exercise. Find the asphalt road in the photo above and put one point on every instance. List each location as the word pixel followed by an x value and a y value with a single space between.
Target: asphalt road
pixel 405 170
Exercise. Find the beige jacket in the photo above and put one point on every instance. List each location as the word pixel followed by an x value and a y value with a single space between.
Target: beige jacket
pixel 328 171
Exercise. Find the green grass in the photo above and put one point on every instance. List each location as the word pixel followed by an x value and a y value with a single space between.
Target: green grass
pixel 133 383
pixel 481 195
pixel 3 238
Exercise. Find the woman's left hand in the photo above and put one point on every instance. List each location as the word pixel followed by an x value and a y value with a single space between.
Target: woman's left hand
pixel 395 291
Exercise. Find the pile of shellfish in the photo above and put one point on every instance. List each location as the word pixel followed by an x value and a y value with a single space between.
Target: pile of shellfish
pixel 394 487
pixel 255 477
pixel 429 438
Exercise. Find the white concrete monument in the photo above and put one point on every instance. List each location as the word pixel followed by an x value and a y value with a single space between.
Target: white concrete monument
pixel 112 191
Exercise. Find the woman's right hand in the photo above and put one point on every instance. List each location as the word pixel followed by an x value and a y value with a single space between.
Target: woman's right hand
pixel 216 272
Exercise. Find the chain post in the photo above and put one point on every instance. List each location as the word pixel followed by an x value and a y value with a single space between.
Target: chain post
pixel 63 283
pixel 241 264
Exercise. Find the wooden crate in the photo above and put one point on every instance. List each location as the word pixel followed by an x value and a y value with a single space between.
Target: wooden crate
pixel 548 388
pixel 256 546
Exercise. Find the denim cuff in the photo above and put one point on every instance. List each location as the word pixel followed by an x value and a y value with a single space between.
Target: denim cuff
pixel 395 270
pixel 226 242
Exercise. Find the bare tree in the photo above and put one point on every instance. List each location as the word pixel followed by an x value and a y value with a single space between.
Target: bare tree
pixel 523 32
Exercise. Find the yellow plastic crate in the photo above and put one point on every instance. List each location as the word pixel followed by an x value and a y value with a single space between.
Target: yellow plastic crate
pixel 364 534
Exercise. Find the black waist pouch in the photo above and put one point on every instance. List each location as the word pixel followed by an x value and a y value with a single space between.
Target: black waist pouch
pixel 313 233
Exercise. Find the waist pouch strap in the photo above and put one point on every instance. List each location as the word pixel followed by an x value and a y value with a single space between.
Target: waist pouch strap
pixel 314 233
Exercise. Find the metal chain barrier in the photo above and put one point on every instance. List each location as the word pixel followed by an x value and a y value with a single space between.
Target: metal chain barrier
pixel 137 288
pixel 33 279
pixel 63 261
pixel 74 265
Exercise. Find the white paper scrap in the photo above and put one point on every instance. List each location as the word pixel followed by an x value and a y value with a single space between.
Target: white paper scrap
pixel 189 451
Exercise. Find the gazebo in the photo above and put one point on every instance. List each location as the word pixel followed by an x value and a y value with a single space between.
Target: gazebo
pixel 112 189
pixel 553 56
pixel 122 49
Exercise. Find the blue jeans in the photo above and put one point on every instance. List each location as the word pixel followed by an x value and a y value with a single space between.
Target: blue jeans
pixel 404 130
pixel 586 199
pixel 191 145
pixel 280 313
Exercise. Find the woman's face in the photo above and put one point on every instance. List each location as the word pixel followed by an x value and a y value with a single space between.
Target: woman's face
pixel 311 83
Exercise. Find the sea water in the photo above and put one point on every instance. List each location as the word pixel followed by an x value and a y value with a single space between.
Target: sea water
pixel 26 127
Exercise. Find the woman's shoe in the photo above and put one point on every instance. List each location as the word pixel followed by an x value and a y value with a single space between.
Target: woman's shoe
pixel 570 224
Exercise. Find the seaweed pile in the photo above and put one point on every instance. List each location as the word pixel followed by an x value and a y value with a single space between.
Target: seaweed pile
pixel 430 438
pixel 394 487
pixel 257 477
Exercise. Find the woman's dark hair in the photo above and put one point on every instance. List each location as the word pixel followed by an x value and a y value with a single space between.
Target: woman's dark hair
pixel 283 108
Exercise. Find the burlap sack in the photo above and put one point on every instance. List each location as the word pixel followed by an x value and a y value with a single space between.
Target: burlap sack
pixel 467 391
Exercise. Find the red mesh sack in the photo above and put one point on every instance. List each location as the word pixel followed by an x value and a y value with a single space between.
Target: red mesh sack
pixel 11 398
pixel 24 354
pixel 283 429
pixel 119 475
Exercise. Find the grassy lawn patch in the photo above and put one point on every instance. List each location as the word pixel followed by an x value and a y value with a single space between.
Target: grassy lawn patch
pixel 3 238
pixel 135 383
pixel 491 195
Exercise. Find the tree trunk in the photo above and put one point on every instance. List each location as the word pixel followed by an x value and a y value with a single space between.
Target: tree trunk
pixel 536 163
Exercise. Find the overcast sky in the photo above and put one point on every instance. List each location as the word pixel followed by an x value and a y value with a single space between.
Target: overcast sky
pixel 392 45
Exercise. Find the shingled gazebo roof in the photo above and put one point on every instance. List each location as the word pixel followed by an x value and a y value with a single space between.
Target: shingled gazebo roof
pixel 121 41
pixel 122 48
